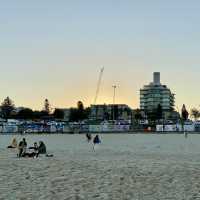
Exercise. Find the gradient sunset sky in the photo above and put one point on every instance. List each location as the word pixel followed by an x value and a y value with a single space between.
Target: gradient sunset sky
pixel 55 48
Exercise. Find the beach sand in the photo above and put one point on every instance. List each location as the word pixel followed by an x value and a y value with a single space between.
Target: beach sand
pixel 126 167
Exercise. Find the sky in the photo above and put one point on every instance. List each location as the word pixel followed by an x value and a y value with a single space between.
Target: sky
pixel 55 48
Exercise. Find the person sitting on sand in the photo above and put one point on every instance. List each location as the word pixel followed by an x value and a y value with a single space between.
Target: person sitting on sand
pixel 42 148
pixel 13 144
pixel 34 147
pixel 30 155
pixel 22 147
pixel 32 152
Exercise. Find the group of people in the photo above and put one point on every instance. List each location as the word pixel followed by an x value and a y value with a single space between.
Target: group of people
pixel 36 149
pixel 96 139
pixel 31 152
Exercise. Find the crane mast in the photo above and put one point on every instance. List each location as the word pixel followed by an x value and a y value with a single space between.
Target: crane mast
pixel 98 84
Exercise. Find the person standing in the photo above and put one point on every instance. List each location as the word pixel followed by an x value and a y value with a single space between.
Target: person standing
pixel 96 141
pixel 22 147
pixel 89 137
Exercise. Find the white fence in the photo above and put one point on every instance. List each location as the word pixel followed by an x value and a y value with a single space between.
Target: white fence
pixel 9 129
pixel 109 128
pixel 175 128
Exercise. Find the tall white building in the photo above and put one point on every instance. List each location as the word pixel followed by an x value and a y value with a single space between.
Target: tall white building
pixel 155 93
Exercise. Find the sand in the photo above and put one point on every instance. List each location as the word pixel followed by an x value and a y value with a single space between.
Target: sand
pixel 143 167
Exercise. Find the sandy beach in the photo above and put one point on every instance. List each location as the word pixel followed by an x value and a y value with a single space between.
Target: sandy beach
pixel 138 167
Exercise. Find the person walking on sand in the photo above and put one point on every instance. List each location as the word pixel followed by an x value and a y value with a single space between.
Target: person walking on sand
pixel 96 141
pixel 89 137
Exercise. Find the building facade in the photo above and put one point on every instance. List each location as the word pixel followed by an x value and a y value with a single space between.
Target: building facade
pixel 66 113
pixel 110 112
pixel 155 94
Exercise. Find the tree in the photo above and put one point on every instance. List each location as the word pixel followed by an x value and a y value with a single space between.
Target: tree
pixel 7 107
pixel 80 106
pixel 159 112
pixel 26 114
pixel 79 113
pixel 184 113
pixel 37 114
pixel 47 106
pixel 138 115
pixel 41 115
pixel 58 114
pixel 155 114
pixel 195 113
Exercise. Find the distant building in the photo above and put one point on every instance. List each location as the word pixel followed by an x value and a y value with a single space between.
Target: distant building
pixel 110 112
pixel 66 112
pixel 155 94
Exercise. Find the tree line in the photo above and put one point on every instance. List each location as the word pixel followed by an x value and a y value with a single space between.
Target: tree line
pixel 9 111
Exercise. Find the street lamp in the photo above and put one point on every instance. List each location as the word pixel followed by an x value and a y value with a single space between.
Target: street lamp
pixel 114 95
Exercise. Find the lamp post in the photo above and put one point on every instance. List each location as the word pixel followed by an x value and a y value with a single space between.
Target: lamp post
pixel 114 95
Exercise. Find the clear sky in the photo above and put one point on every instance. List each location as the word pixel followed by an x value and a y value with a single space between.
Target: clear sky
pixel 55 48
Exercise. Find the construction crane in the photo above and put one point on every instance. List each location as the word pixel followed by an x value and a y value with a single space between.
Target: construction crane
pixel 98 84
